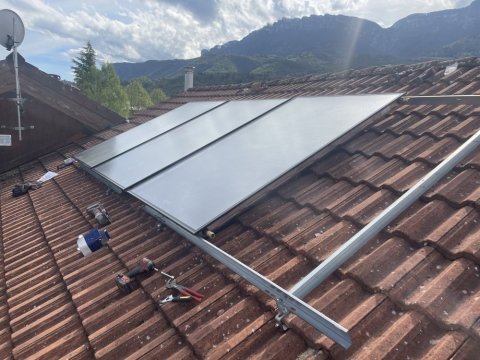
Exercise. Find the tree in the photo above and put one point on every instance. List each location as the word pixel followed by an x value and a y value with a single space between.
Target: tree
pixel 101 85
pixel 85 70
pixel 138 96
pixel 110 93
pixel 157 95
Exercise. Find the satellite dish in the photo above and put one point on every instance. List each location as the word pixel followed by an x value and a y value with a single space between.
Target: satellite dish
pixel 12 30
pixel 12 33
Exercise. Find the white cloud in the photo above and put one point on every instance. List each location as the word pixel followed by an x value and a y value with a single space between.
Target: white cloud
pixel 386 13
pixel 161 29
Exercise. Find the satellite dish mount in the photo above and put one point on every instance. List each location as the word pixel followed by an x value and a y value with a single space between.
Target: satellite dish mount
pixel 12 33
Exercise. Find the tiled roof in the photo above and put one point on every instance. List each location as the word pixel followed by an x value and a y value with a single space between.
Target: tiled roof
pixel 413 292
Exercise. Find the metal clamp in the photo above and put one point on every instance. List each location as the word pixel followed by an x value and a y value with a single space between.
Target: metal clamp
pixel 281 313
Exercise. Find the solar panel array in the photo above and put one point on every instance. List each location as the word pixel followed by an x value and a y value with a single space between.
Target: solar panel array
pixel 199 161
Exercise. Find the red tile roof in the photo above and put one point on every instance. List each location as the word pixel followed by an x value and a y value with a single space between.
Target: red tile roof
pixel 411 293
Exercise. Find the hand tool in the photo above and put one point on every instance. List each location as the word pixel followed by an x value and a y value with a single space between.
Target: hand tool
pixel 171 298
pixel 99 213
pixel 172 284
pixel 66 162
pixel 124 282
pixel 20 189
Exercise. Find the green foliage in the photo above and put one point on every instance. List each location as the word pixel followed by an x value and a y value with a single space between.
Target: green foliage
pixel 110 93
pixel 220 69
pixel 138 96
pixel 101 85
pixel 90 83
pixel 85 70
pixel 157 95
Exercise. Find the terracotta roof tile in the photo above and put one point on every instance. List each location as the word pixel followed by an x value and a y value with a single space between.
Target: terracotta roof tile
pixel 411 292
pixel 357 167
pixel 431 221
pixel 404 335
pixel 468 350
pixel 107 134
pixel 324 197
pixel 321 237
pixel 436 152
pixel 380 144
pixel 342 300
pixel 329 161
pixel 397 123
pixel 383 262
pixel 89 142
pixel 401 177
pixel 462 239
pixel 161 257
pixel 460 188
pixel 444 289
pixel 42 316
pixel 362 204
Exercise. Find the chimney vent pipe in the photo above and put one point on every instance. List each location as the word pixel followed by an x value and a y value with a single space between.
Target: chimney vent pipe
pixel 188 77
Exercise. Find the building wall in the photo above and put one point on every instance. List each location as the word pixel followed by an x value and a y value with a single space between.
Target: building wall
pixel 51 130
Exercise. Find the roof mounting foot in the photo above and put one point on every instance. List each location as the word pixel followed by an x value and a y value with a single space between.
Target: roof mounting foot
pixel 281 313
pixel 160 226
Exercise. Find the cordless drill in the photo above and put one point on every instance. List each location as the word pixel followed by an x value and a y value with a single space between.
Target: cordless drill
pixel 124 282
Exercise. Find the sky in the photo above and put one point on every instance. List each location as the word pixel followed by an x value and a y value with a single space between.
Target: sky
pixel 140 30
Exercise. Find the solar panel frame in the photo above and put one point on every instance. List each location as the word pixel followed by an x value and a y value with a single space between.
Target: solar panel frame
pixel 183 194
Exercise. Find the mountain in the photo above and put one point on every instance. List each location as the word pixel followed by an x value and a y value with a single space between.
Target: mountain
pixel 321 44
pixel 257 66
pixel 326 36
pixel 447 33
pixel 219 69
pixel 420 35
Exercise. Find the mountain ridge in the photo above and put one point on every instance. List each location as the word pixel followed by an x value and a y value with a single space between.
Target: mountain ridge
pixel 324 43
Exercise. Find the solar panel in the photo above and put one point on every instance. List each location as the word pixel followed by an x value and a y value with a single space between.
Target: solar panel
pixel 152 156
pixel 199 189
pixel 140 134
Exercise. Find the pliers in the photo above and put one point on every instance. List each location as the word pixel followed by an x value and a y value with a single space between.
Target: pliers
pixel 171 298
pixel 195 295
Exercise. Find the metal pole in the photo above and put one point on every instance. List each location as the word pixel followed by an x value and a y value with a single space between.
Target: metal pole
pixel 442 100
pixel 17 84
pixel 286 300
pixel 341 255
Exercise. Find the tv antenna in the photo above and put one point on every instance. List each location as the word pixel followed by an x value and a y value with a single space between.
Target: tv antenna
pixel 12 33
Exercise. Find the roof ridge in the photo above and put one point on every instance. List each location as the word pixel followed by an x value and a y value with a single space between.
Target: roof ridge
pixel 347 74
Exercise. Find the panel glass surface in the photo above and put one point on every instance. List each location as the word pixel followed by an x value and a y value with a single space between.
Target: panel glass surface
pixel 142 133
pixel 206 185
pixel 153 156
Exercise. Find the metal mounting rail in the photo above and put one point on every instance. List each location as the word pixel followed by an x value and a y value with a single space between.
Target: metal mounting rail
pixel 442 100
pixel 285 300
pixel 342 254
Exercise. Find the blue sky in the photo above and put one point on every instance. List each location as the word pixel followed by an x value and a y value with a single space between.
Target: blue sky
pixel 140 30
